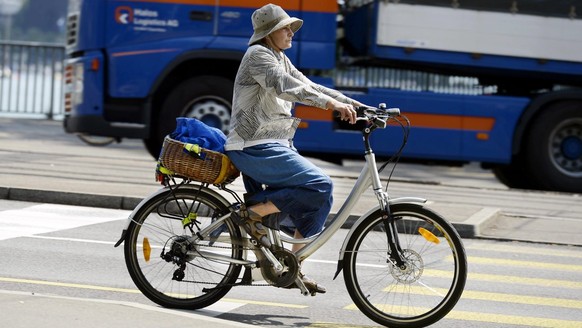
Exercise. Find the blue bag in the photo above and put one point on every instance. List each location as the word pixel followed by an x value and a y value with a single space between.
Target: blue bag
pixel 192 131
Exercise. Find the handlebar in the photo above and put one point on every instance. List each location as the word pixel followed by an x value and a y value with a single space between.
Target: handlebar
pixel 368 112
pixel 377 116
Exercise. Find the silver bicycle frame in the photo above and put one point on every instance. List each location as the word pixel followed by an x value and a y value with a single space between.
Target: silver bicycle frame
pixel 368 175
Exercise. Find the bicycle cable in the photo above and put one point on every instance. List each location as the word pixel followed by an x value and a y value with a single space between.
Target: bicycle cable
pixel 395 158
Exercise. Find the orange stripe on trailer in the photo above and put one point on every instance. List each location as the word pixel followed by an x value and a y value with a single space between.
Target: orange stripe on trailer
pixel 453 122
pixel 142 52
pixel 180 2
pixel 324 6
pixel 287 4
pixel 419 120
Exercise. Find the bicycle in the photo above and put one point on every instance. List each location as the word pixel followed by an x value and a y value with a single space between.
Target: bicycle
pixel 403 264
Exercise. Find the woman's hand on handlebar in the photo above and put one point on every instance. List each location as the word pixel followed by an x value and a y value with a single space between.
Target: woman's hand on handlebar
pixel 347 112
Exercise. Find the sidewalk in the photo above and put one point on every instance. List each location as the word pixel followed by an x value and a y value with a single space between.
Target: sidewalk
pixel 41 163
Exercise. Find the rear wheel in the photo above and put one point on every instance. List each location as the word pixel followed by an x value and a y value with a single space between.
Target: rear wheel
pixel 423 291
pixel 164 253
pixel 207 98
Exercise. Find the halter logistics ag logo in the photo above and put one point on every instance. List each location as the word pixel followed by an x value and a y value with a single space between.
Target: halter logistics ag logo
pixel 143 19
pixel 124 15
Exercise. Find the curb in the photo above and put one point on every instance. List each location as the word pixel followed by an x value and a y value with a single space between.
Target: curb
pixel 470 228
pixel 69 198
pixel 476 223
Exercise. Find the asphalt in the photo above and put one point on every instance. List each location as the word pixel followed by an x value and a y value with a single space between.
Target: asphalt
pixel 41 163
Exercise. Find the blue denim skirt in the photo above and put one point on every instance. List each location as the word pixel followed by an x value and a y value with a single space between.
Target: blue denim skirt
pixel 298 188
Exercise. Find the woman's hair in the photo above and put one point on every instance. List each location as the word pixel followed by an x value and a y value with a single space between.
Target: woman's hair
pixel 268 42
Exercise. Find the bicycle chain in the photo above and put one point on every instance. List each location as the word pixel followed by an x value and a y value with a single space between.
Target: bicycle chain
pixel 227 285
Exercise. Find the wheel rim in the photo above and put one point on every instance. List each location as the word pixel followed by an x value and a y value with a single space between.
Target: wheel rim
pixel 212 111
pixel 174 275
pixel 565 147
pixel 427 286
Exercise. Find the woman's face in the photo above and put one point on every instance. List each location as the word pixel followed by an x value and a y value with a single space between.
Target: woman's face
pixel 281 38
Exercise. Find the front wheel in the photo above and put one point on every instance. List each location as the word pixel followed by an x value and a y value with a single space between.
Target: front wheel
pixel 164 249
pixel 423 291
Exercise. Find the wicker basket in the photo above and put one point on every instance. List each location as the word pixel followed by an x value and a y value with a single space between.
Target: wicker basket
pixel 204 165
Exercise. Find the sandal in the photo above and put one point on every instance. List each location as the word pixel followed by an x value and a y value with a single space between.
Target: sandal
pixel 253 225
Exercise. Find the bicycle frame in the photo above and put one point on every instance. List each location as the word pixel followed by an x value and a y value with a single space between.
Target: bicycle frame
pixel 368 176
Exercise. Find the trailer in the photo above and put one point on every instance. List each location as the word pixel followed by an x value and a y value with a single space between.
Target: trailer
pixel 493 82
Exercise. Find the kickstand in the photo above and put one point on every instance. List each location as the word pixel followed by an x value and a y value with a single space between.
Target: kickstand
pixel 247 278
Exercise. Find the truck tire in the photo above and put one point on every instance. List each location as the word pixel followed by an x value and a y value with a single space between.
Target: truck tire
pixel 207 98
pixel 554 148
pixel 514 175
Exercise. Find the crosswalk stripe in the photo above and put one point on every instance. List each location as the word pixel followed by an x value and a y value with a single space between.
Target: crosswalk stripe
pixel 44 218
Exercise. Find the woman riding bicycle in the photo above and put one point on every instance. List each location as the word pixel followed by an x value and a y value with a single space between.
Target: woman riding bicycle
pixel 276 177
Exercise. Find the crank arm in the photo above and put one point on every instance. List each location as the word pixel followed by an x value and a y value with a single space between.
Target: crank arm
pixel 301 285
pixel 271 258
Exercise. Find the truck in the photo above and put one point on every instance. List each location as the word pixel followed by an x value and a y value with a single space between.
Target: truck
pixel 492 82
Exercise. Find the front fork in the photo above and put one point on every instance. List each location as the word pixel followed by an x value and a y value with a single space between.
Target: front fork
pixel 394 249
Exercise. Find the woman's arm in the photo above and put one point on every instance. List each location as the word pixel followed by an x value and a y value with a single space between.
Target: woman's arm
pixel 266 70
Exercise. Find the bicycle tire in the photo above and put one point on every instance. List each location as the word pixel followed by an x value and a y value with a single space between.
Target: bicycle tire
pixel 431 285
pixel 97 141
pixel 158 225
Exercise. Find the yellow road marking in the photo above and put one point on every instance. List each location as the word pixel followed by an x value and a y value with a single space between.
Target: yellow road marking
pixel 512 319
pixel 135 291
pixel 69 285
pixel 526 264
pixel 491 318
pixel 335 325
pixel 493 297
pixel 539 282
pixel 519 249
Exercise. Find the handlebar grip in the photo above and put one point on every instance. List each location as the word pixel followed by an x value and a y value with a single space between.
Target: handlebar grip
pixel 390 111
pixel 393 111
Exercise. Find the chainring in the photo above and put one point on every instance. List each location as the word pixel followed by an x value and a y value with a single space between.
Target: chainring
pixel 290 268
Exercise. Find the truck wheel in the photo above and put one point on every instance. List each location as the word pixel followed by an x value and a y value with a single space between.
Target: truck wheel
pixel 207 98
pixel 514 175
pixel 554 148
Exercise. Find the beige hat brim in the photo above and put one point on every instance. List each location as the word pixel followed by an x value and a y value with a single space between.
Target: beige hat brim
pixel 295 23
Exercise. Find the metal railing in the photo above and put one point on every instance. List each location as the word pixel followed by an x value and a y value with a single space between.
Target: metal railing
pixel 31 79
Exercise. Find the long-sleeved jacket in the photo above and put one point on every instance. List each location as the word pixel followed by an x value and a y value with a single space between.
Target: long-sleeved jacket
pixel 265 88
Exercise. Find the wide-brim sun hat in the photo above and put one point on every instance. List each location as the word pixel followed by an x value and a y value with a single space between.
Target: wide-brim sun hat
pixel 270 18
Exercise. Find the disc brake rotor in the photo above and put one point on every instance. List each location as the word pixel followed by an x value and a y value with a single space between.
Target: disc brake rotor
pixel 413 270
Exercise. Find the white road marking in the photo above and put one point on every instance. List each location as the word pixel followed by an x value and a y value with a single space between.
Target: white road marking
pixel 44 218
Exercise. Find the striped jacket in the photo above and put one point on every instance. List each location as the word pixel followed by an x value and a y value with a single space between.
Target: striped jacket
pixel 266 86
